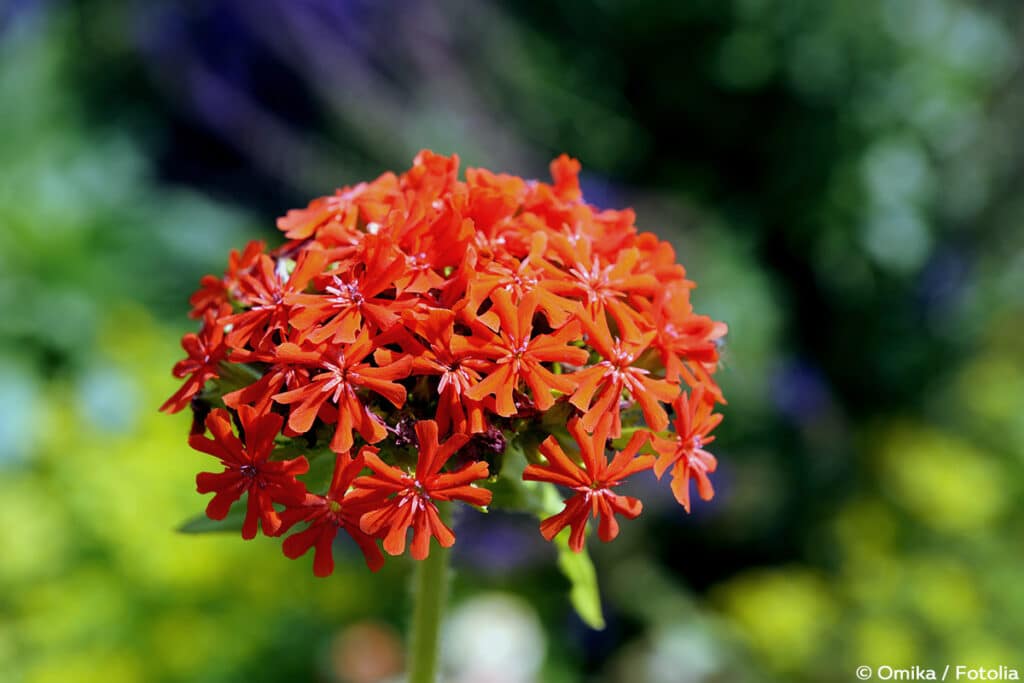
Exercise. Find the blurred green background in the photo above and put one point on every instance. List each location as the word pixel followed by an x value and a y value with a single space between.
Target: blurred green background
pixel 844 180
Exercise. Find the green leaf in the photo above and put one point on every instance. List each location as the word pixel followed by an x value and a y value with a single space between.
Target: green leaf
pixel 577 567
pixel 201 524
pixel 583 593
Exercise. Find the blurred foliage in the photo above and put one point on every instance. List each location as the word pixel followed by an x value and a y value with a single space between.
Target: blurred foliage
pixel 82 224
pixel 91 594
pixel 841 178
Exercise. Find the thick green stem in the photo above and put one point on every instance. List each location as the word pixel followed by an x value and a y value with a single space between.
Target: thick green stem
pixel 430 592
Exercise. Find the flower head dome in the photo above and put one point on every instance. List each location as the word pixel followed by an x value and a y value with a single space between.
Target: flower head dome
pixel 415 331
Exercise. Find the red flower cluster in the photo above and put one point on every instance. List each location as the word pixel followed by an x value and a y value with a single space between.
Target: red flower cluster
pixel 420 306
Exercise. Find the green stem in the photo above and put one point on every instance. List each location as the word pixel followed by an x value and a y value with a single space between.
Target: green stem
pixel 430 592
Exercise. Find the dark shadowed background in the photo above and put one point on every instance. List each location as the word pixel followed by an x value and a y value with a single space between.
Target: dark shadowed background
pixel 843 179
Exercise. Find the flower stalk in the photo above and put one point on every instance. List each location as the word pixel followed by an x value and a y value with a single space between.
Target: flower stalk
pixel 430 594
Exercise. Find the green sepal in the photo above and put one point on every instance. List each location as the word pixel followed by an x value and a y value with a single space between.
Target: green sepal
pixel 321 470
pixel 234 376
pixel 509 490
pixel 650 360
pixel 555 420
pixel 627 433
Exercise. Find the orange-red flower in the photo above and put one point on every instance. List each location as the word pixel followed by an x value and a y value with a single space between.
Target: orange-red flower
pixel 436 355
pixel 592 483
pixel 247 469
pixel 519 354
pixel 350 296
pixel 328 514
pixel 287 366
pixel 205 352
pixel 214 292
pixel 404 500
pixel 265 291
pixel 687 343
pixel 615 374
pixel 601 285
pixel 684 452
pixel 345 371
pixel 531 275
pixel 366 203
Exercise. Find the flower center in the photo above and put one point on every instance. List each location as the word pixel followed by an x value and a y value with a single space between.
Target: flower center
pixel 340 376
pixel 345 293
pixel 519 283
pixel 274 300
pixel 418 261
pixel 415 495
pixel 455 377
pixel 595 281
